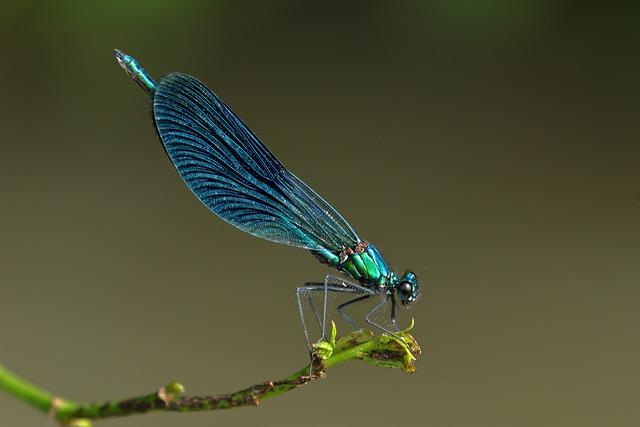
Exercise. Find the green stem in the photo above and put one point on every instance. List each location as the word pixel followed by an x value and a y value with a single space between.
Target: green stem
pixel 382 351
pixel 32 394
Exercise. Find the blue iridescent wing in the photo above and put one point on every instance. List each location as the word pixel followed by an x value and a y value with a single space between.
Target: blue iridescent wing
pixel 235 175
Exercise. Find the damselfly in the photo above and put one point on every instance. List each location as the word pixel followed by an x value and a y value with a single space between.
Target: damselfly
pixel 232 173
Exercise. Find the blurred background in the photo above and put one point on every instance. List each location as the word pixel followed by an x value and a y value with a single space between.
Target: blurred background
pixel 493 147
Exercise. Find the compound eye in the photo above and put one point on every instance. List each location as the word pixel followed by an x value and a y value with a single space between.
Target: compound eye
pixel 405 289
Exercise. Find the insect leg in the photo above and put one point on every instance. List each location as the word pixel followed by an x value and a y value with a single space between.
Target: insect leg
pixel 346 317
pixel 348 286
pixel 305 292
pixel 331 284
pixel 393 313
pixel 299 292
pixel 342 283
pixel 309 289
pixel 345 284
pixel 312 305
pixel 377 307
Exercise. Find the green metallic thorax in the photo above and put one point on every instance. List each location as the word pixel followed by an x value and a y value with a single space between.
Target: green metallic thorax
pixel 367 267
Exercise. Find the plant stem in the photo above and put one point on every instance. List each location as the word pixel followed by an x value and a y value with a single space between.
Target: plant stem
pixel 30 393
pixel 382 350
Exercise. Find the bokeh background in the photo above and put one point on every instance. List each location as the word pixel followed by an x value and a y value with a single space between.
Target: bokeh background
pixel 491 146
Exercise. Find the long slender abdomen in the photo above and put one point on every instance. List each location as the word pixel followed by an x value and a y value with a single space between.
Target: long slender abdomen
pixel 135 70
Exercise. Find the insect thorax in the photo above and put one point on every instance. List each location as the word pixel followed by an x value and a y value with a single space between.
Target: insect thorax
pixel 363 262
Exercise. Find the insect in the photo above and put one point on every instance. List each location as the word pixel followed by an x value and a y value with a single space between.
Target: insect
pixel 236 176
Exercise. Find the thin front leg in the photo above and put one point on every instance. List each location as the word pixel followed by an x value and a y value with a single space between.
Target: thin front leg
pixel 377 325
pixel 393 313
pixel 342 283
pixel 346 317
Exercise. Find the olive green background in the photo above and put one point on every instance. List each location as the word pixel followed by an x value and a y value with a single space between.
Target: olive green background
pixel 491 147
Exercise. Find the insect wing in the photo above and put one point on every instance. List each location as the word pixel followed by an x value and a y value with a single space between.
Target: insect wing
pixel 227 167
